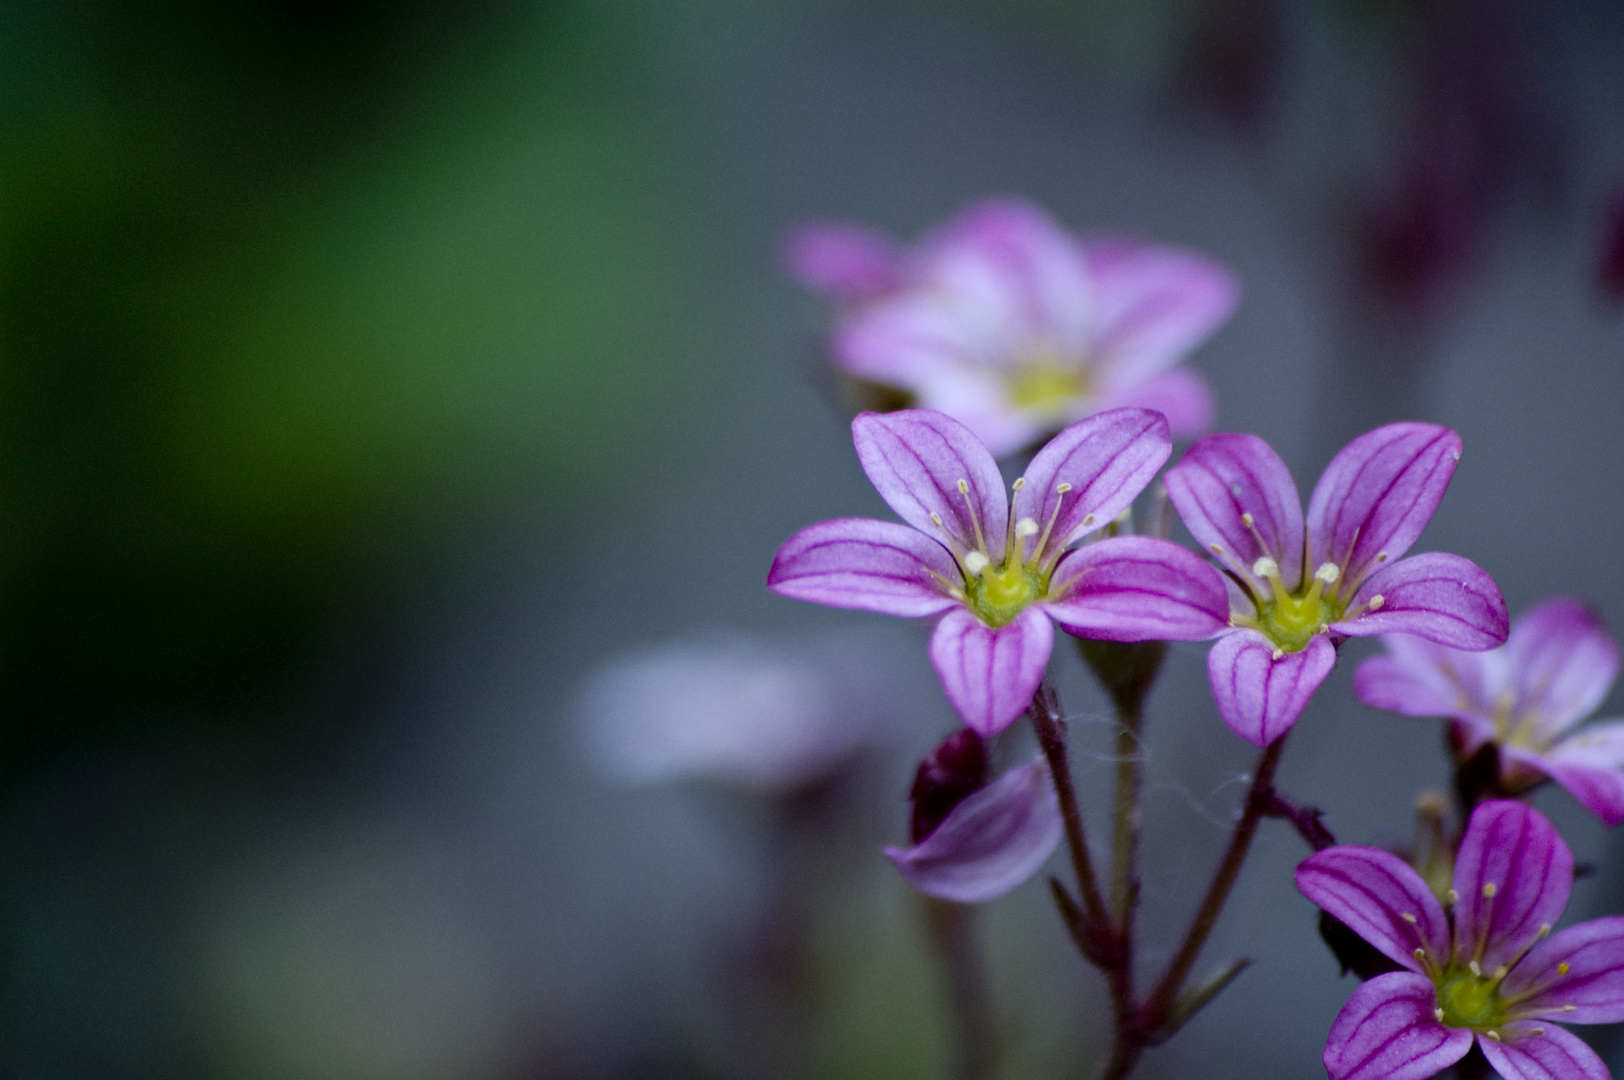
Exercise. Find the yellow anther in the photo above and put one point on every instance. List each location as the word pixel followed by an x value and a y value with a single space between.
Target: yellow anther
pixel 1328 573
pixel 1061 489
pixel 1544 929
pixel 964 487
pixel 1409 918
pixel 1501 972
pixel 1539 1031
pixel 1246 520
pixel 936 519
pixel 1563 968
pixel 1381 556
pixel 1420 954
pixel 1570 1008
pixel 1489 890
pixel 1454 897
pixel 975 562
pixel 1217 549
pixel 1020 482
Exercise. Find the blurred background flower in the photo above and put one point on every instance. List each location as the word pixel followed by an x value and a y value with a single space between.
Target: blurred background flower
pixel 372 373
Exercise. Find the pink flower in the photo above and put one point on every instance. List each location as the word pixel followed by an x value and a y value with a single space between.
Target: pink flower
pixel 1301 585
pixel 995 570
pixel 1525 697
pixel 1493 972
pixel 973 841
pixel 1012 326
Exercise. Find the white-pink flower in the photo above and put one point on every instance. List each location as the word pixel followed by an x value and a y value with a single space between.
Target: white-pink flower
pixel 1013 326
pixel 1527 697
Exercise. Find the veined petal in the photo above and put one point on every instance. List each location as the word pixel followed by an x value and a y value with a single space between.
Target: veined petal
pixel 1137 588
pixel 1421 678
pixel 1224 477
pixel 1008 262
pixel 1440 597
pixel 1386 1031
pixel 847 262
pixel 1381 898
pixel 1513 874
pixel 1181 395
pixel 990 674
pixel 1377 495
pixel 1542 1052
pixel 867 565
pixel 989 843
pixel 1106 459
pixel 1589 763
pixel 1155 304
pixel 1593 982
pixel 916 459
pixel 1258 696
pixel 1562 662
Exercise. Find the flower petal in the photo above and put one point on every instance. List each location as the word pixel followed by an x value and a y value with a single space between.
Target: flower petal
pixel 1440 597
pixel 1421 678
pixel 1226 476
pixel 1513 874
pixel 1008 263
pixel 1562 662
pixel 916 341
pixel 989 843
pixel 847 262
pixel 867 565
pixel 1386 1031
pixel 1181 395
pixel 1258 696
pixel 1593 982
pixel 1380 897
pixel 990 674
pixel 917 458
pixel 1553 1054
pixel 1377 495
pixel 1154 304
pixel 1138 588
pixel 1590 764
pixel 1106 460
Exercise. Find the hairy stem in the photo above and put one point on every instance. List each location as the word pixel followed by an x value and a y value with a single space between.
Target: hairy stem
pixel 1049 727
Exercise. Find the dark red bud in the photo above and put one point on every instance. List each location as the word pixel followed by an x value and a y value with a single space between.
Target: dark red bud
pixel 947 776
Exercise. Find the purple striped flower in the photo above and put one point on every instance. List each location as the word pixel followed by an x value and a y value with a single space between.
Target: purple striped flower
pixel 1489 969
pixel 1526 697
pixel 972 840
pixel 1011 325
pixel 1301 586
pixel 996 569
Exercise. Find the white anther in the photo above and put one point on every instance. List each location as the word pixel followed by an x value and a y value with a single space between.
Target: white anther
pixel 1234 619
pixel 1544 929
pixel 1454 897
pixel 1569 1008
pixel 1246 520
pixel 1217 549
pixel 1381 556
pixel 1278 653
pixel 1474 969
pixel 936 519
pixel 1026 527
pixel 1061 489
pixel 975 562
pixel 964 487
pixel 1020 482
pixel 1539 1031
pixel 1438 1014
pixel 1409 918
pixel 1377 601
pixel 1266 567
pixel 1322 628
pixel 1089 520
pixel 1489 889
pixel 1420 954
pixel 1328 573
pixel 1491 1033
pixel 1501 972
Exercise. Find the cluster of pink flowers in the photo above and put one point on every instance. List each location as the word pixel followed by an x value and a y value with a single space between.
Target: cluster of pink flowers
pixel 1002 327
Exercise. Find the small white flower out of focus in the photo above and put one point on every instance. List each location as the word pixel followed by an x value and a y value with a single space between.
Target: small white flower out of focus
pixel 738 709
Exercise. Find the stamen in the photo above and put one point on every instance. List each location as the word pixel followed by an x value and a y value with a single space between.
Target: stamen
pixel 1217 549
pixel 1454 897
pixel 1381 556
pixel 964 487
pixel 1054 516
pixel 1420 954
pixel 1539 1031
pixel 1266 568
pixel 975 562
pixel 1061 489
pixel 1328 573
pixel 1563 968
pixel 1088 520
pixel 1020 482
pixel 1246 520
pixel 1544 929
pixel 1489 889
pixel 1278 653
pixel 1026 527
pixel 1409 918
pixel 1474 969
pixel 1491 1033
pixel 975 520
pixel 1570 1008
pixel 1438 1014
pixel 936 519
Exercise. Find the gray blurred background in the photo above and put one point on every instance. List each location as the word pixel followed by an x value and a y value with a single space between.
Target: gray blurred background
pixel 370 373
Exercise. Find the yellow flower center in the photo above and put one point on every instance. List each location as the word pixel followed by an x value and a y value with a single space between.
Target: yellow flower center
pixel 1291 618
pixel 1469 1001
pixel 1000 595
pixel 1045 386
